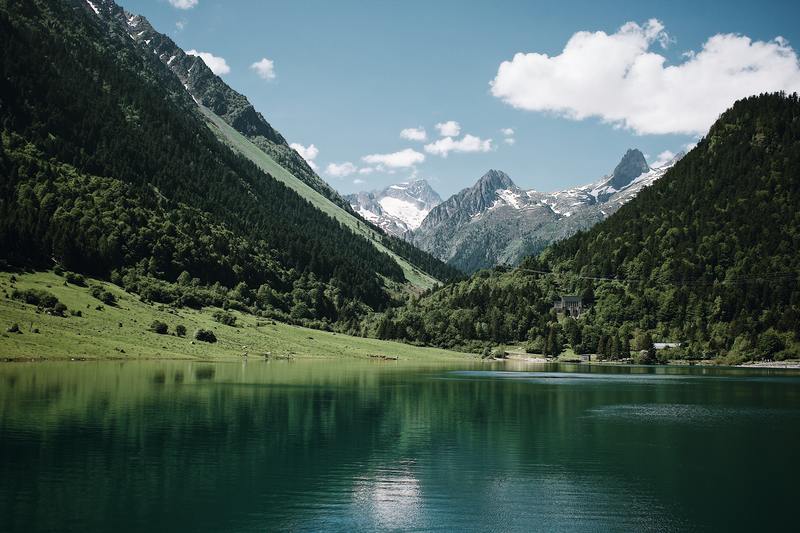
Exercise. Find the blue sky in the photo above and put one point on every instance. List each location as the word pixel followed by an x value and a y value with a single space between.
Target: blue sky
pixel 349 76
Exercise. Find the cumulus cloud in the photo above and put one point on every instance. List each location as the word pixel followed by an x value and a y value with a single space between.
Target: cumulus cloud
pixel 183 4
pixel 510 141
pixel 218 65
pixel 402 159
pixel 265 68
pixel 414 134
pixel 620 79
pixel 358 181
pixel 366 170
pixel 309 153
pixel 340 170
pixel 451 128
pixel 468 143
pixel 508 132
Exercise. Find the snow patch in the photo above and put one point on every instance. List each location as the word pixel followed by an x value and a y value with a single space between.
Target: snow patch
pixel 368 215
pixel 509 197
pixel 408 212
pixel 94 8
pixel 196 101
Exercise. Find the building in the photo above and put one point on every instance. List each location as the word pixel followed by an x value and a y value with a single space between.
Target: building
pixel 664 345
pixel 569 305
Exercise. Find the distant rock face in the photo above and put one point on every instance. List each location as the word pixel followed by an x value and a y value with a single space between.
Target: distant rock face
pixel 632 165
pixel 398 208
pixel 495 222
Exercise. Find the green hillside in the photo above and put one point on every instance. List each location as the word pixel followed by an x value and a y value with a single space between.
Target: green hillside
pixel 706 256
pixel 110 170
pixel 123 331
pixel 239 142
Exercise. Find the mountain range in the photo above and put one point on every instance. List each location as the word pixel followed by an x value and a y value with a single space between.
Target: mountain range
pixel 496 222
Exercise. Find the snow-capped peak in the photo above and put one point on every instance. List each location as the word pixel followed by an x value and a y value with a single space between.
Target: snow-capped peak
pixel 398 208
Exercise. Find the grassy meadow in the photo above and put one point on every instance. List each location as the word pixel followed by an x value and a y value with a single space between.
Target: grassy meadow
pixel 122 331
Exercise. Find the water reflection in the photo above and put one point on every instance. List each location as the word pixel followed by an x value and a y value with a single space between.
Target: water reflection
pixel 354 446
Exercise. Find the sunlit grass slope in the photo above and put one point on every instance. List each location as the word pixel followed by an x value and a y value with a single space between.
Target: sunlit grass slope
pixel 240 143
pixel 122 331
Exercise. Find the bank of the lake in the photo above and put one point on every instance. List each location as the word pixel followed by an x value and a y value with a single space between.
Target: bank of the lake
pixel 123 331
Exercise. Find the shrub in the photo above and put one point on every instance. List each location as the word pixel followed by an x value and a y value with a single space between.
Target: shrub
pixel 75 279
pixel 14 328
pixel 769 343
pixel 43 299
pixel 224 318
pixel 103 295
pixel 645 357
pixel 535 346
pixel 159 327
pixel 499 353
pixel 205 335
pixel 180 330
pixel 59 309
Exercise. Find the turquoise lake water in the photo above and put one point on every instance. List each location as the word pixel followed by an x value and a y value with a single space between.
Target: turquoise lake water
pixel 351 446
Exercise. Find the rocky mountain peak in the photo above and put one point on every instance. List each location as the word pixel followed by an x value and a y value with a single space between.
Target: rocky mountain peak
pixel 494 180
pixel 632 165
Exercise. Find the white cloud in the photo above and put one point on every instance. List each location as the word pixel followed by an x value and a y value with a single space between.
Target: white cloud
pixel 366 170
pixel 510 141
pixel 180 25
pixel 414 134
pixel 265 68
pixel 468 143
pixel 663 158
pixel 451 128
pixel 340 170
pixel 402 159
pixel 508 132
pixel 218 65
pixel 309 153
pixel 358 181
pixel 619 79
pixel 183 4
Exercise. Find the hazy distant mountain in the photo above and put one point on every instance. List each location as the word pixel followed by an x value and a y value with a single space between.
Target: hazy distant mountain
pixel 398 208
pixel 495 222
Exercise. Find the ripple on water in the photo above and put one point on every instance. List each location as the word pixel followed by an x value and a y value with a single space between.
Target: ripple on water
pixel 676 413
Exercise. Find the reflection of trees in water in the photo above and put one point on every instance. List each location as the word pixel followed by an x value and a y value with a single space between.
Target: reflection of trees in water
pixel 268 442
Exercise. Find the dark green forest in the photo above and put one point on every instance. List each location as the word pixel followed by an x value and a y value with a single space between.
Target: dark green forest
pixel 707 256
pixel 109 170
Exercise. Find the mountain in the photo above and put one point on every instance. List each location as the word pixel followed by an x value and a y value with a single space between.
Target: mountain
pixel 116 164
pixel 496 222
pixel 209 90
pixel 397 209
pixel 706 256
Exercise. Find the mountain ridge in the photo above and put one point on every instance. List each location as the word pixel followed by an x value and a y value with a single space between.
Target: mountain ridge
pixel 210 90
pixel 496 222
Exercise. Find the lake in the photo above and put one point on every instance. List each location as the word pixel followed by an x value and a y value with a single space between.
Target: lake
pixel 345 445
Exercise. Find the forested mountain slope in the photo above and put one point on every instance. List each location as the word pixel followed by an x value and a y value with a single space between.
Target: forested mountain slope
pixel 109 168
pixel 707 255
